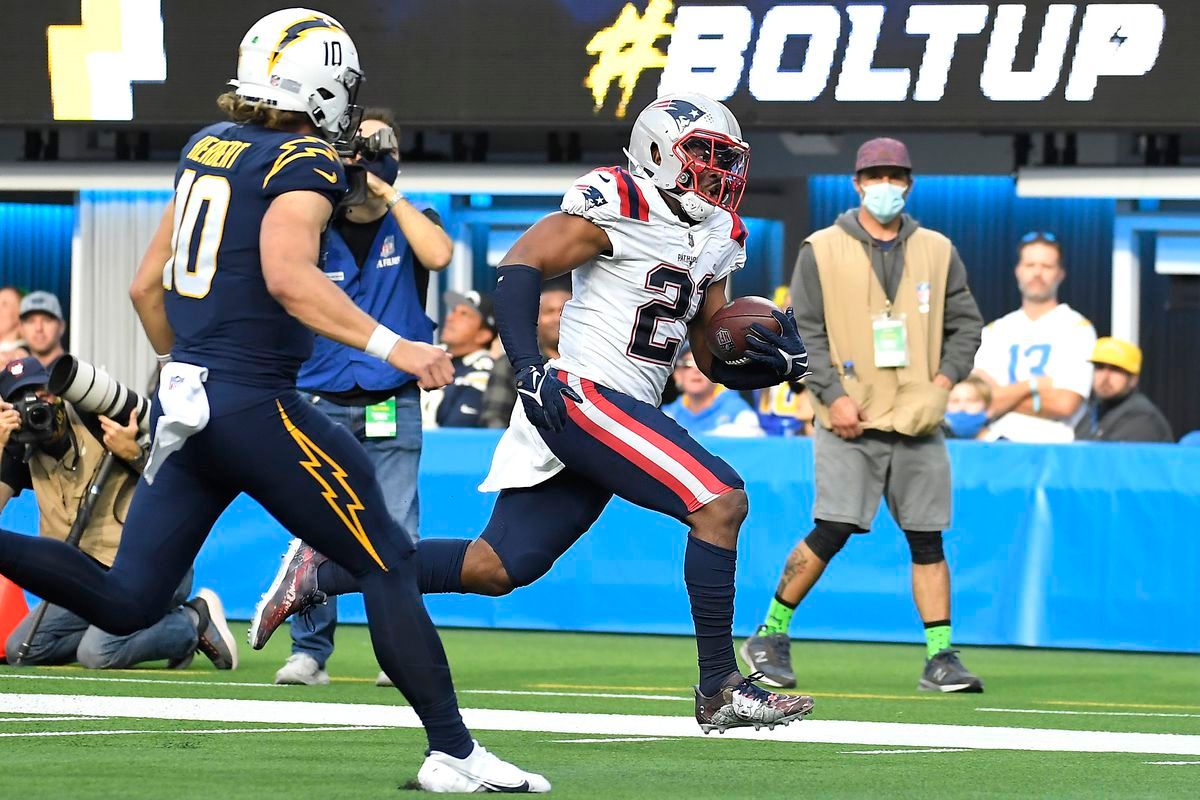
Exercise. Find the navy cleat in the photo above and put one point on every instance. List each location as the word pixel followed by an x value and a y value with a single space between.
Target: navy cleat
pixel 741 704
pixel 945 673
pixel 293 591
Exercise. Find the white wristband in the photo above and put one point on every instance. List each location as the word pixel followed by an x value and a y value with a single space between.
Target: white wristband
pixel 382 340
pixel 163 359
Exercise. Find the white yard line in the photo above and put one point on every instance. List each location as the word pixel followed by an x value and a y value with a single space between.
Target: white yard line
pixel 880 734
pixel 902 752
pixel 1084 713
pixel 1170 763
pixel 616 739
pixel 51 719
pixel 324 728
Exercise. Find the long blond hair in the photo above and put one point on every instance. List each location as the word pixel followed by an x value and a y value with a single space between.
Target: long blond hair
pixel 239 109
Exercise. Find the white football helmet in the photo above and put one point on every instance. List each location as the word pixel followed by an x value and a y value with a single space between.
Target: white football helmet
pixel 702 158
pixel 298 59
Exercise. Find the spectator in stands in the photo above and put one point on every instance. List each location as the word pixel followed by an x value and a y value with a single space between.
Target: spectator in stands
pixel 704 407
pixel 967 408
pixel 1117 411
pixel 890 324
pixel 501 393
pixel 43 326
pixel 58 464
pixel 785 409
pixel 380 252
pixel 10 322
pixel 1036 358
pixel 467 333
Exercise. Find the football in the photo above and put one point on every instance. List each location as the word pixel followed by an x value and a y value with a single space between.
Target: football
pixel 726 332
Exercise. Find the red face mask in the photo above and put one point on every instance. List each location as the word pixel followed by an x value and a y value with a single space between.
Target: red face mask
pixel 714 166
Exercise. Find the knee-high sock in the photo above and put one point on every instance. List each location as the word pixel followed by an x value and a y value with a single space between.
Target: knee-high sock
pixel 410 652
pixel 439 569
pixel 709 571
pixel 62 575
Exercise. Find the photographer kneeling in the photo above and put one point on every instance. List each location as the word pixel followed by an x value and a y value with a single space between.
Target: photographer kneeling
pixel 58 451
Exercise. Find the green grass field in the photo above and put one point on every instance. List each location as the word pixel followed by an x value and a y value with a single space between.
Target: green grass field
pixel 172 748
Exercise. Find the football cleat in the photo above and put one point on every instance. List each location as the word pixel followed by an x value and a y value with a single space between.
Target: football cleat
pixel 301 669
pixel 213 637
pixel 294 590
pixel 741 704
pixel 945 673
pixel 770 654
pixel 480 771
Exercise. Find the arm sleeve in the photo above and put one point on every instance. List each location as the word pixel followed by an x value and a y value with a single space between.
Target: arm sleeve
pixel 305 164
pixel 14 472
pixel 809 303
pixel 597 198
pixel 962 325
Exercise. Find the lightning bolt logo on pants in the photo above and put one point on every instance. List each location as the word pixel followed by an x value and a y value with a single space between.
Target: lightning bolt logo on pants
pixel 332 478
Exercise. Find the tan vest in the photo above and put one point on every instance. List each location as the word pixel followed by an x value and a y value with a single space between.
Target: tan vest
pixel 59 486
pixel 901 399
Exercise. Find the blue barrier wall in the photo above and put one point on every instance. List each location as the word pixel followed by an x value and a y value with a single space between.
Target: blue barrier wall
pixel 1091 546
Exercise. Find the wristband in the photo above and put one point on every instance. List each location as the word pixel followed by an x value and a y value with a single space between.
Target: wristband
pixel 396 197
pixel 163 359
pixel 1035 395
pixel 382 340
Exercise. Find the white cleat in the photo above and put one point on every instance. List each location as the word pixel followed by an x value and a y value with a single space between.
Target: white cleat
pixel 478 772
pixel 302 669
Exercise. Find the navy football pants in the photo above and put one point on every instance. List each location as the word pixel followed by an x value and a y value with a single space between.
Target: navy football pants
pixel 312 476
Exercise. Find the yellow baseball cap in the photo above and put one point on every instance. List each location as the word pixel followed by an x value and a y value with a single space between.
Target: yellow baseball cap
pixel 1118 353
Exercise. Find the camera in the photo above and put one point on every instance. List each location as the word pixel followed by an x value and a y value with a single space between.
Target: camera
pixel 37 419
pixel 370 148
pixel 95 391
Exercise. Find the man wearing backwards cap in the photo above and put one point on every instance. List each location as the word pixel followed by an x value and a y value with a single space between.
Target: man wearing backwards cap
pixel 1117 411
pixel 891 325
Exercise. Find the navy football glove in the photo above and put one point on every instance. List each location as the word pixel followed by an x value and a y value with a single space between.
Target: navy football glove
pixel 542 395
pixel 783 353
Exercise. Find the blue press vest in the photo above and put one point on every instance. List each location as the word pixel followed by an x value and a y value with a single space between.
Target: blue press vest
pixel 385 288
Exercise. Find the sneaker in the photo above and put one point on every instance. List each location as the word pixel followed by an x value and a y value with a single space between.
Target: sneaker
pixel 293 590
pixel 478 772
pixel 741 704
pixel 181 663
pixel 302 669
pixel 770 654
pixel 383 680
pixel 214 638
pixel 945 673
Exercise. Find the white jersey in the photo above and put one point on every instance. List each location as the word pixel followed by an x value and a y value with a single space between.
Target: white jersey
pixel 629 311
pixel 1058 345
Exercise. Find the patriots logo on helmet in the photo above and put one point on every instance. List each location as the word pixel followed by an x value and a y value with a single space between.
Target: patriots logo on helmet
pixel 683 112
pixel 591 195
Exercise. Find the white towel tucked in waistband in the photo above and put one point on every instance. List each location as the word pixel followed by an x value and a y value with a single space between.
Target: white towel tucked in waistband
pixel 185 411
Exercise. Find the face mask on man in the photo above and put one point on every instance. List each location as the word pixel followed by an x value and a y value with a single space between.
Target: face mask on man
pixel 386 168
pixel 966 424
pixel 884 201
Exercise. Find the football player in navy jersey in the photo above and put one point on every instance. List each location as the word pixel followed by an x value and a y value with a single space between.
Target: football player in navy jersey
pixel 230 288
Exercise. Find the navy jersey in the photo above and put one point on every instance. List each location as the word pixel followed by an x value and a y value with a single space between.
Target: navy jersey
pixel 217 300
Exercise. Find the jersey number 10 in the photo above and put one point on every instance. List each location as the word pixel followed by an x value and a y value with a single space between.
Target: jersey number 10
pixel 201 202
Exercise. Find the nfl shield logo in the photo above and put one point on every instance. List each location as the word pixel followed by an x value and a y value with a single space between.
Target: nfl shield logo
pixel 724 339
pixel 389 247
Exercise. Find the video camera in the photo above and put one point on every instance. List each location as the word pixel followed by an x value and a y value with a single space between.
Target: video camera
pixel 369 148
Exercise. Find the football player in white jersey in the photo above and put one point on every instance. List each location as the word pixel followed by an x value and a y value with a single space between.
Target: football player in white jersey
pixel 651 248
pixel 1037 357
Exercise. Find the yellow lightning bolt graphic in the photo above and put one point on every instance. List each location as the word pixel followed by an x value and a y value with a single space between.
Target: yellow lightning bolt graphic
pixel 306 147
pixel 342 499
pixel 92 64
pixel 625 48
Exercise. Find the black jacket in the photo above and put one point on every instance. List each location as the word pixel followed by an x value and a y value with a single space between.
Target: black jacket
pixel 1132 418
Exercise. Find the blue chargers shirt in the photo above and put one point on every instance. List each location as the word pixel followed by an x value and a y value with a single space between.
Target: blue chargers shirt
pixel 726 409
pixel 386 287
pixel 217 300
